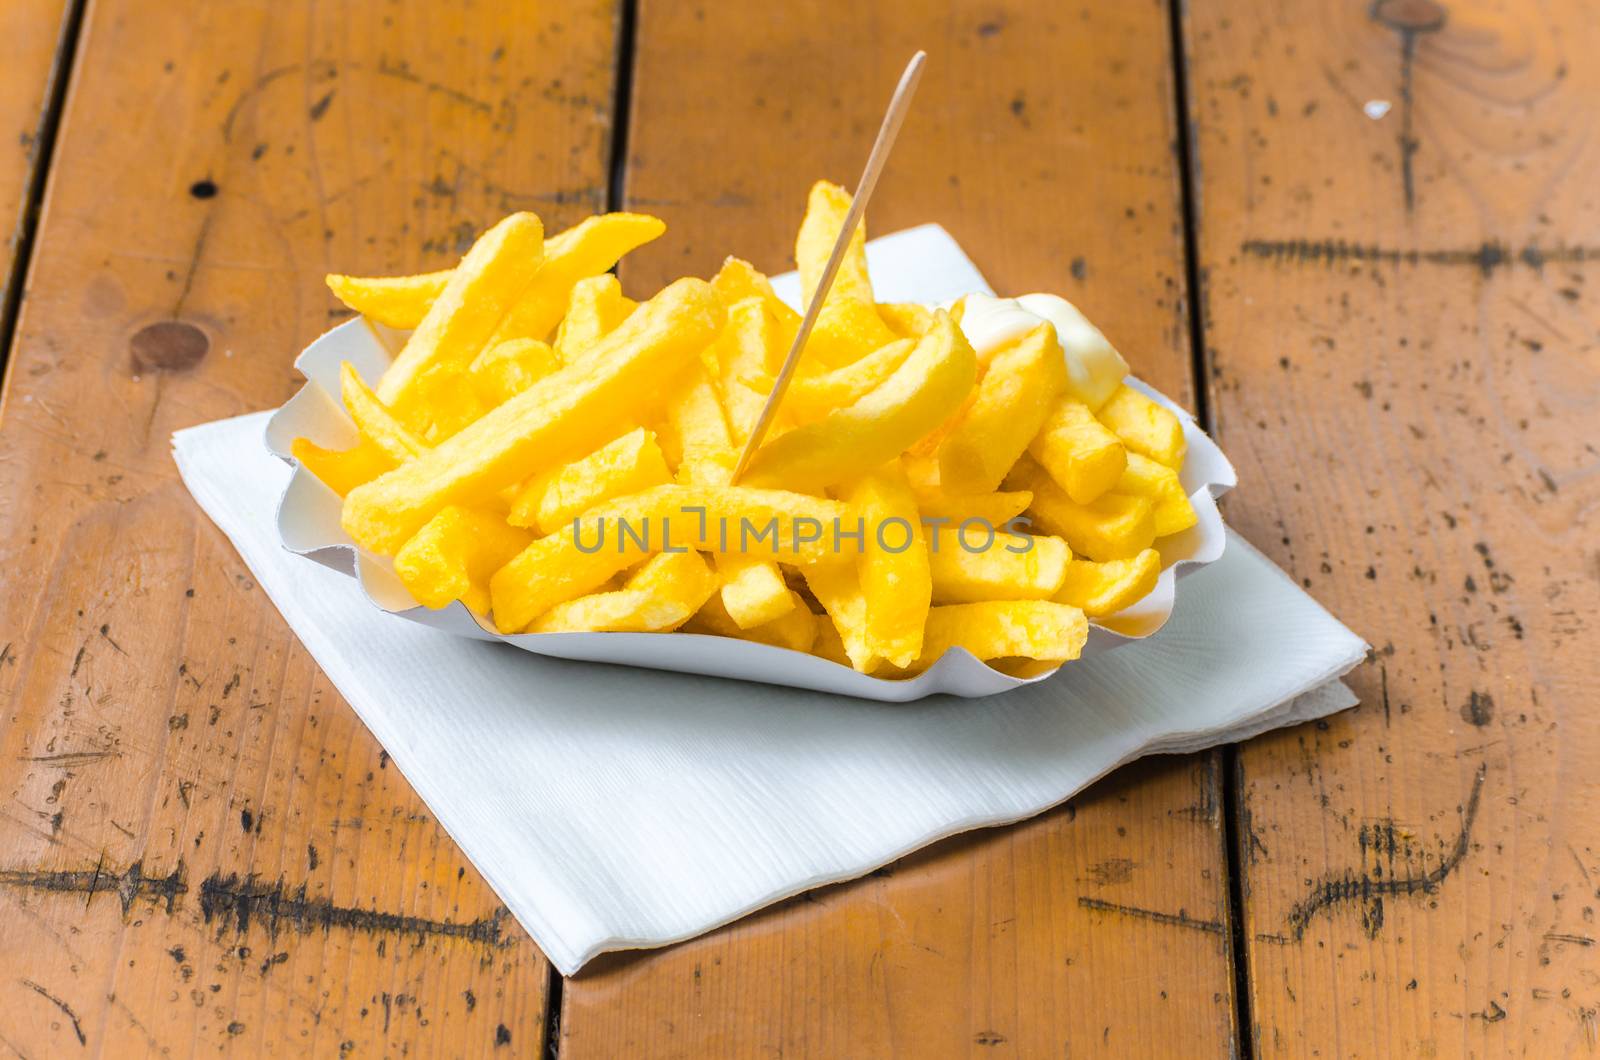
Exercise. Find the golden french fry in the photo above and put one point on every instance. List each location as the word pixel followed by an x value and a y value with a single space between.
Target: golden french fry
pixel 561 417
pixel 754 593
pixel 837 588
pixel 738 280
pixel 997 629
pixel 439 402
pixel 452 557
pixel 1106 588
pixel 1171 509
pixel 663 595
pixel 849 325
pixel 1144 426
pixel 1082 454
pixel 628 464
pixel 459 323
pixel 374 420
pixel 700 432
pixel 921 393
pixel 811 397
pixel 971 564
pixel 742 355
pixel 829 645
pixel 506 369
pixel 1112 526
pixel 1015 395
pixel 893 566
pixel 397 301
pixel 996 509
pixel 907 319
pixel 596 306
pixel 587 249
pixel 796 628
pixel 616 534
pixel 342 470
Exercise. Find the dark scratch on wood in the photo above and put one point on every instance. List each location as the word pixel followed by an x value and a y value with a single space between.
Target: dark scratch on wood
pixel 246 900
pixel 1410 19
pixel 1363 888
pixel 127 886
pixel 77 1028
pixel 1579 940
pixel 1178 919
pixel 71 758
pixel 1485 257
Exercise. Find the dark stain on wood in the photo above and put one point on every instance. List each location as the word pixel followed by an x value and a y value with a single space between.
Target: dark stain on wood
pixel 1486 257
pixel 168 346
pixel 127 885
pixel 245 900
pixel 1178 919
pixel 1410 19
pixel 1478 709
pixel 1371 887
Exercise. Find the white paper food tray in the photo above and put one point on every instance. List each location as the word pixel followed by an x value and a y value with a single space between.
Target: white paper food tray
pixel 308 524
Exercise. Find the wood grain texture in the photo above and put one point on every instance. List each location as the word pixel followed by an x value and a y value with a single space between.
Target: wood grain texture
pixel 1042 139
pixel 30 39
pixel 200 846
pixel 1398 230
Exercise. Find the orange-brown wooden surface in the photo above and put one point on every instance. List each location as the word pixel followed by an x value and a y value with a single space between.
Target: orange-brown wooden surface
pixel 1100 927
pixel 201 848
pixel 1399 228
pixel 30 41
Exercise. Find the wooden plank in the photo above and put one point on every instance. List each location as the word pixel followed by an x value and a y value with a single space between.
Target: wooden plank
pixel 30 44
pixel 1399 234
pixel 200 846
pixel 1099 926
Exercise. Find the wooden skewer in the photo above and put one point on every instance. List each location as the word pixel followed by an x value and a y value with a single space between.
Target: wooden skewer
pixel 893 118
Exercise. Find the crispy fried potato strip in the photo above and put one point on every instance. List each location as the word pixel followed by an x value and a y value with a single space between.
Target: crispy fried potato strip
pixel 560 417
pixel 1113 526
pixel 893 565
pixel 1016 394
pixel 396 301
pixel 1005 629
pixel 665 593
pixel 969 566
pixel 622 466
pixel 1082 454
pixel 452 557
pixel 796 628
pixel 1105 588
pixel 587 249
pixel 1171 509
pixel 1145 427
pixel 374 420
pixel 931 382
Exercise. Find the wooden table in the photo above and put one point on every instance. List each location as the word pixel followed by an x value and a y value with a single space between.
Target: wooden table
pixel 1359 238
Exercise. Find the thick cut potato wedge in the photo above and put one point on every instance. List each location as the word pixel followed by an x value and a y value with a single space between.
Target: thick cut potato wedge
pixel 453 556
pixel 625 465
pixel 663 595
pixel 1113 526
pixel 922 392
pixel 396 301
pixel 1106 588
pixel 561 417
pixel 459 323
pixel 813 396
pixel 1171 509
pixel 1082 454
pixel 996 509
pixel 837 588
pixel 1016 394
pixel 1006 567
pixel 893 565
pixel 1145 427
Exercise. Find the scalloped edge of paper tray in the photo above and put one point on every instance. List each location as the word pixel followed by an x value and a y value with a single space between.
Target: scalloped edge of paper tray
pixel 308 525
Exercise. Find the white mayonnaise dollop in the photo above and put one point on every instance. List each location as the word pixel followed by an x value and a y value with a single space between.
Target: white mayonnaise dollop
pixel 1094 368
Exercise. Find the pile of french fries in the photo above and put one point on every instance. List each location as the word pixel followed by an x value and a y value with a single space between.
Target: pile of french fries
pixel 559 458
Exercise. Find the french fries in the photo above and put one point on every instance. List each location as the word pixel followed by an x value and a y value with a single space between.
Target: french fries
pixel 559 457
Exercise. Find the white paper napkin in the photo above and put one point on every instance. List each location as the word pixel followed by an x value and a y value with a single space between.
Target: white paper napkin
pixel 614 808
